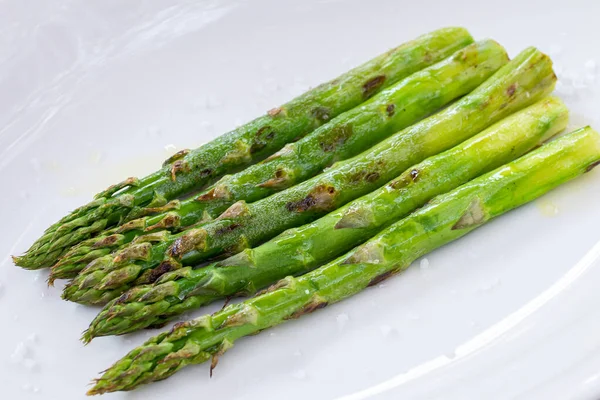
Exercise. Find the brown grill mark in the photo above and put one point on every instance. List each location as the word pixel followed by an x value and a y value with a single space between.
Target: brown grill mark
pixel 391 110
pixel 337 137
pixel 179 166
pixel 169 221
pixel 380 278
pixel 320 198
pixel 372 177
pixel 307 309
pixel 163 268
pixel 274 111
pixel 321 114
pixel 592 166
pixel 206 172
pixel 177 156
pixel 511 90
pixel 414 175
pixel 210 195
pixel 226 229
pixel 371 86
pixel 185 244
pixel 261 139
pixel 106 242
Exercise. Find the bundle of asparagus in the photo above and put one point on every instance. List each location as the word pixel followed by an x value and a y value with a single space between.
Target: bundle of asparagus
pixel 518 84
pixel 314 199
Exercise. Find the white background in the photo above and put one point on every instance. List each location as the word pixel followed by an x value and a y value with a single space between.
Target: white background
pixel 94 91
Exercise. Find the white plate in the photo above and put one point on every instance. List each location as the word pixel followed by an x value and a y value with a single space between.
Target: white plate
pixel 93 91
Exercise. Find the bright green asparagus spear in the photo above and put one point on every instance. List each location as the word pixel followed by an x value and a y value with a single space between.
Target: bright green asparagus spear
pixel 518 84
pixel 350 133
pixel 299 250
pixel 446 218
pixel 192 170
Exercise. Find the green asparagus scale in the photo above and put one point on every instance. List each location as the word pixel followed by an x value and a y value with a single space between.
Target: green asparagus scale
pixel 518 84
pixel 446 218
pixel 350 133
pixel 299 250
pixel 193 170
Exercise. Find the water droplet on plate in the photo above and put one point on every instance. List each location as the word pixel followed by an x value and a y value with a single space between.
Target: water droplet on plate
pixel 170 147
pixel 298 353
pixel 20 352
pixel 342 320
pixel 424 264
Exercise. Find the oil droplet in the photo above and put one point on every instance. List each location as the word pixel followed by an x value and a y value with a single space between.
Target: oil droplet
pixel 547 208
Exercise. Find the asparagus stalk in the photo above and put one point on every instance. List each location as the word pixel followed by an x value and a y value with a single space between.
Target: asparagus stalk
pixel 520 83
pixel 346 135
pixel 445 219
pixel 258 139
pixel 299 250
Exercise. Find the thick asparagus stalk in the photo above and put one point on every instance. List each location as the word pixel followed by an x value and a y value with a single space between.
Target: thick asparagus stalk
pixel 299 250
pixel 192 170
pixel 350 133
pixel 518 84
pixel 445 219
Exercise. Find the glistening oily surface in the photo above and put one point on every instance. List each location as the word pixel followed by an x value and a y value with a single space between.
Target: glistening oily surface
pixel 90 93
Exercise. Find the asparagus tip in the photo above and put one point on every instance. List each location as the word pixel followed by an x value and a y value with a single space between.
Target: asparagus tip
pixel 86 337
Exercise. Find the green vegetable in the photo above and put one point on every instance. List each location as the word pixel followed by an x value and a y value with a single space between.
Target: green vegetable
pixel 193 170
pixel 350 133
pixel 299 250
pixel 446 218
pixel 520 83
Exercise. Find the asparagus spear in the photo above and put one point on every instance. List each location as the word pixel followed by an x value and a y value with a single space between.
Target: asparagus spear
pixel 299 250
pixel 518 84
pixel 347 135
pixel 192 170
pixel 445 219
